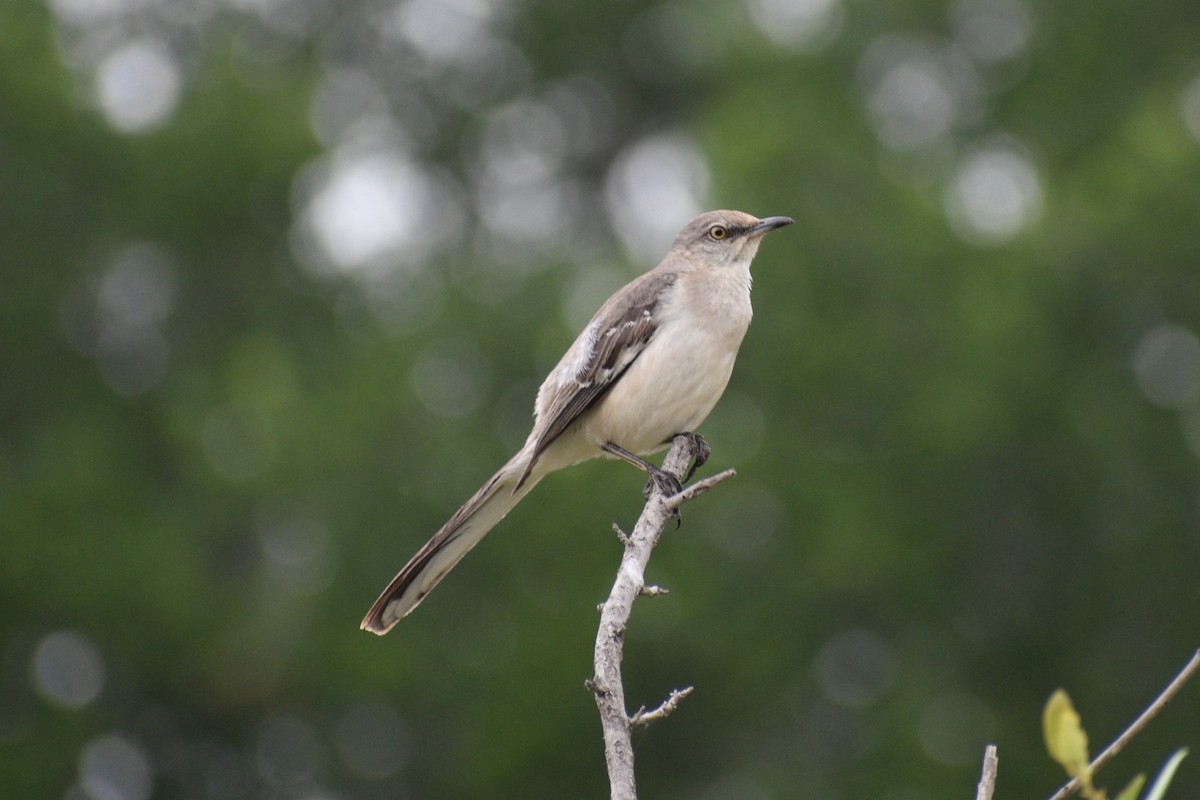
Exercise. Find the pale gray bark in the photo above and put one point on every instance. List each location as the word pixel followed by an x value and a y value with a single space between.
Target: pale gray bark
pixel 606 685
pixel 987 779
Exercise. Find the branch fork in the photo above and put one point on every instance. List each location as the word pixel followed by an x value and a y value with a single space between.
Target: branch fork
pixel 606 685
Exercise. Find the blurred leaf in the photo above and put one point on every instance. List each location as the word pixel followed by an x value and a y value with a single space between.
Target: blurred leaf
pixel 1065 739
pixel 1164 777
pixel 1130 792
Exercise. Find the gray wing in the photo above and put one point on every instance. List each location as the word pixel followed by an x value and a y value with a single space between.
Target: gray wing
pixel 612 341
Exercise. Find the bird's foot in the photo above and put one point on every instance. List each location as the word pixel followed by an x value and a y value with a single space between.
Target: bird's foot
pixel 703 451
pixel 667 483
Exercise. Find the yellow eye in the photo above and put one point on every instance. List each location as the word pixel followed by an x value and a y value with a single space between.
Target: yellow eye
pixel 718 232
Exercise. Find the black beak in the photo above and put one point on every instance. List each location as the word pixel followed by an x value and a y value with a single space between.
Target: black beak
pixel 769 224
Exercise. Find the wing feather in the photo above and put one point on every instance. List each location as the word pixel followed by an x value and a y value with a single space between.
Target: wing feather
pixel 613 340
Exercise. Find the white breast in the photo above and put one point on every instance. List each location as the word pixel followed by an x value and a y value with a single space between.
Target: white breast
pixel 682 373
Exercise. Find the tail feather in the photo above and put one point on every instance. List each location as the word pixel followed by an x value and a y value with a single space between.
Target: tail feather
pixel 441 553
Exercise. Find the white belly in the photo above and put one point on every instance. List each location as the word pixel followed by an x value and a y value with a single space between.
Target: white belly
pixel 668 390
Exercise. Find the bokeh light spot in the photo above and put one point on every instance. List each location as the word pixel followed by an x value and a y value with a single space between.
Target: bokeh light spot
pixel 524 139
pixel 653 188
pixel 140 286
pixel 342 100
pixel 802 24
pixel 67 669
pixel 87 12
pixel 445 30
pixel 916 91
pixel 994 194
pixel 115 768
pixel 138 85
pixel 521 197
pixel 118 318
pixel 372 212
pixel 992 30
pixel 368 208
pixel 1166 363
pixel 1189 107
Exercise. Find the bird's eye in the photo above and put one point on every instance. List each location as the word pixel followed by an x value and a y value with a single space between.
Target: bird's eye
pixel 718 232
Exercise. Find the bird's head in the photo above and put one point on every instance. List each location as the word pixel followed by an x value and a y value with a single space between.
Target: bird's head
pixel 725 238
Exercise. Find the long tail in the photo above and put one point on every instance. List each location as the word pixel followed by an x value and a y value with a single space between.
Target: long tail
pixel 440 554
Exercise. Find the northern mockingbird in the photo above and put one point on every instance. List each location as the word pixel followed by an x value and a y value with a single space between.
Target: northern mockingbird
pixel 650 365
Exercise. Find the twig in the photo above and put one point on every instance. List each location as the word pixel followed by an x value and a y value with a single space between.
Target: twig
pixel 987 780
pixel 1141 722
pixel 698 488
pixel 614 616
pixel 641 718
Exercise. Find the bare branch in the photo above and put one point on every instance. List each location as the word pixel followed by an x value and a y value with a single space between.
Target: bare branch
pixel 1133 730
pixel 630 582
pixel 987 780
pixel 653 591
pixel 698 488
pixel 641 718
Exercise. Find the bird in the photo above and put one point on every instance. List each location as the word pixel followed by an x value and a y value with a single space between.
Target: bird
pixel 650 365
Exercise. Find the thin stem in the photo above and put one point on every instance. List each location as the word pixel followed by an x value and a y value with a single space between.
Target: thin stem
pixel 1133 730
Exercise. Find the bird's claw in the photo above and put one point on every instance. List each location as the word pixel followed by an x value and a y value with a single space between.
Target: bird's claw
pixel 666 483
pixel 703 451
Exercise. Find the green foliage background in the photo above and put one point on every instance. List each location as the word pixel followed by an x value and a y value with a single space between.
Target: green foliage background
pixel 955 491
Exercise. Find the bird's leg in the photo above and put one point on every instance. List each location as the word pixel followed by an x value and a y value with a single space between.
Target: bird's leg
pixel 703 451
pixel 668 484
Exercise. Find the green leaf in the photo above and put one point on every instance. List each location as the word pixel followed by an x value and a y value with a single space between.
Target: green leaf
pixel 1130 792
pixel 1163 779
pixel 1065 739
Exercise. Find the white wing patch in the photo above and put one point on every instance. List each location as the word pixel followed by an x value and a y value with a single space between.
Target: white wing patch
pixel 587 350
